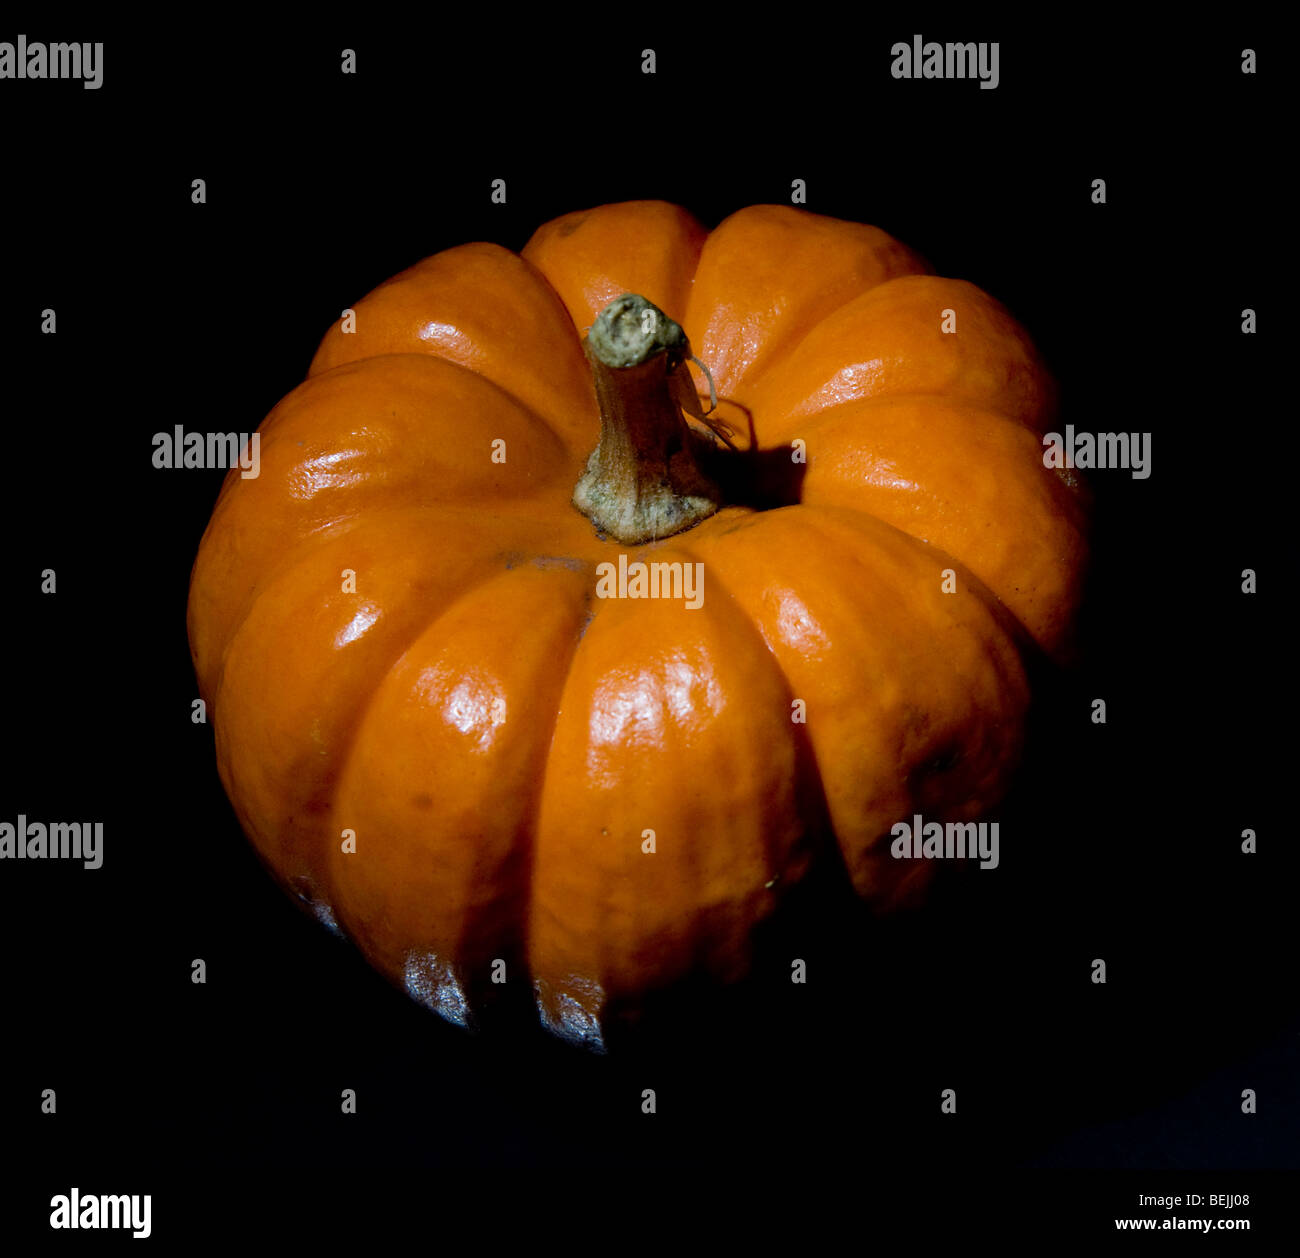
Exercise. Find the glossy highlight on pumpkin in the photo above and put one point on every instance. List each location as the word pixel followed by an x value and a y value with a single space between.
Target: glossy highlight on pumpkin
pixel 498 739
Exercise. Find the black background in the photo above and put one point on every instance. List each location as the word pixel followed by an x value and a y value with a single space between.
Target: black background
pixel 1121 841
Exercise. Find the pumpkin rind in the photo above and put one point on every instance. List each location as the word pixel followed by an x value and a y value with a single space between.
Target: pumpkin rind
pixel 498 738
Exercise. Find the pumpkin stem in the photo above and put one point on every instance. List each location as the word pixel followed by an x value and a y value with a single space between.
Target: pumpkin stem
pixel 646 477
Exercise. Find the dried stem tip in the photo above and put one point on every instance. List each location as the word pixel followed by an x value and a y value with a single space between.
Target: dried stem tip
pixel 645 480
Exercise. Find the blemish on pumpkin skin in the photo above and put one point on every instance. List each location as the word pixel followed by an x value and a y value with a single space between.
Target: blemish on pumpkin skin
pixel 319 908
pixel 422 801
pixel 325 915
pixel 572 1011
pixel 571 225
pixel 436 984
pixel 559 561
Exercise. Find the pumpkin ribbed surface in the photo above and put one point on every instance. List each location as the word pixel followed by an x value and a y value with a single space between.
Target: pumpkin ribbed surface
pixel 497 737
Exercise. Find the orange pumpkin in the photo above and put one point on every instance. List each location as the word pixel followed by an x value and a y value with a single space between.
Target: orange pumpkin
pixel 447 729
